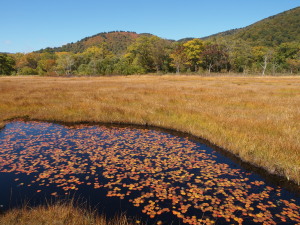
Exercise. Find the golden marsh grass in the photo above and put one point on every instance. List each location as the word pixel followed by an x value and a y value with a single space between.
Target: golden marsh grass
pixel 60 213
pixel 256 118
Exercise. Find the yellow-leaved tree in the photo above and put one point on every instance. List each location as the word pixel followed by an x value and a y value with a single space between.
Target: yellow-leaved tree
pixel 193 51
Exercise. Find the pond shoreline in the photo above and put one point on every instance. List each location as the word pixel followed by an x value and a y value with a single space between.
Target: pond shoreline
pixel 275 178
pixel 142 169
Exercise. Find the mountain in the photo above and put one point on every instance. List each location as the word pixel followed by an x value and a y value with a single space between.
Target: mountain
pixel 116 41
pixel 272 31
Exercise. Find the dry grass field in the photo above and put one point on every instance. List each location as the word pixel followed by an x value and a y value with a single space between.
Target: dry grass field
pixel 256 118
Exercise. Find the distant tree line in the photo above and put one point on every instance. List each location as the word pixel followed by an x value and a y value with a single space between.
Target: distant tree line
pixel 151 54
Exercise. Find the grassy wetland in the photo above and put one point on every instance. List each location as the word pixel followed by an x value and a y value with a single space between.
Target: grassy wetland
pixel 256 118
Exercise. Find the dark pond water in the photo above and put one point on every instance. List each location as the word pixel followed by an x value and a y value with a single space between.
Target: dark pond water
pixel 151 174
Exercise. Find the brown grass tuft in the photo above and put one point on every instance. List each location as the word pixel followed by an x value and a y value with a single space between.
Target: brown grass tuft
pixel 60 213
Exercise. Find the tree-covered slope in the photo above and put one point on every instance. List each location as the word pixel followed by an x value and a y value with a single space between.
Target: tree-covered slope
pixel 272 31
pixel 116 41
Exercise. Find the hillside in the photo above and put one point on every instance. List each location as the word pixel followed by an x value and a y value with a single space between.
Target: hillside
pixel 272 31
pixel 116 41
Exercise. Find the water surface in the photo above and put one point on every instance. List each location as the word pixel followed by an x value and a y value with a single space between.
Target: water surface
pixel 151 174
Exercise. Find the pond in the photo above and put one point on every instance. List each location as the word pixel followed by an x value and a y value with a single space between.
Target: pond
pixel 147 173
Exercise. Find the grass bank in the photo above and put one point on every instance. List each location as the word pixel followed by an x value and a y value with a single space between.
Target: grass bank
pixel 60 213
pixel 256 118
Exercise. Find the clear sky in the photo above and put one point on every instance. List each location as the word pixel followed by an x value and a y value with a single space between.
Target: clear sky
pixel 28 25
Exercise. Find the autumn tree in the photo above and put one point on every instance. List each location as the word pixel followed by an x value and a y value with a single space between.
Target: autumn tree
pixel 178 56
pixel 193 50
pixel 47 63
pixel 215 58
pixel 26 64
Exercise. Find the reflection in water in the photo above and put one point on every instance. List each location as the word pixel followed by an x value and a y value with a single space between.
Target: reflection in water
pixel 163 177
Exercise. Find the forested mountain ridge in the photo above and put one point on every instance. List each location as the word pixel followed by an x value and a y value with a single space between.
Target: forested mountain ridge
pixel 270 32
pixel 115 41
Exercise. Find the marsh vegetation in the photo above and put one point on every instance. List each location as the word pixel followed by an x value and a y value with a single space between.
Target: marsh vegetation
pixel 255 118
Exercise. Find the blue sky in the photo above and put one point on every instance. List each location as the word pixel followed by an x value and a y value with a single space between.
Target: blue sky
pixel 28 25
